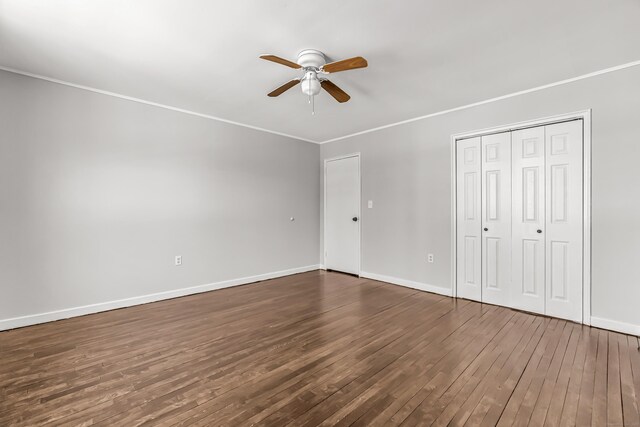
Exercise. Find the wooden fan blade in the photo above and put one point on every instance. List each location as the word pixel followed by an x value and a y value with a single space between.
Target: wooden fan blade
pixel 285 87
pixel 345 64
pixel 279 60
pixel 340 95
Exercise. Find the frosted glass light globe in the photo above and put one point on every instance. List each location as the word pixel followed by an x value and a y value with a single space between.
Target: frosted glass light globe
pixel 310 84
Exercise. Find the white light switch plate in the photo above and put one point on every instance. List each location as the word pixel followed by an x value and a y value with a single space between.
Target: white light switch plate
pixel 370 204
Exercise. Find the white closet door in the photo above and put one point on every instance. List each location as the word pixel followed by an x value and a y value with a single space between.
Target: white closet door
pixel 496 218
pixel 564 219
pixel 528 220
pixel 468 220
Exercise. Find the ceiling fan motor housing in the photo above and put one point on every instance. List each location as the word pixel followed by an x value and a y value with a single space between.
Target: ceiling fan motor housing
pixel 311 58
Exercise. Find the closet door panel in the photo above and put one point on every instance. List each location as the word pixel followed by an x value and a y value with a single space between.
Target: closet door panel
pixel 496 218
pixel 563 228
pixel 468 221
pixel 528 220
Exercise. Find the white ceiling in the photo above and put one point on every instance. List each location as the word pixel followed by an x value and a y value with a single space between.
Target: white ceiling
pixel 424 55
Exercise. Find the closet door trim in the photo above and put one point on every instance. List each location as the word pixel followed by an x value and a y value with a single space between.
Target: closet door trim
pixel 585 116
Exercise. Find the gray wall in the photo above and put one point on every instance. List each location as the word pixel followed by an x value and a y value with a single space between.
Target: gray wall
pixel 98 194
pixel 406 171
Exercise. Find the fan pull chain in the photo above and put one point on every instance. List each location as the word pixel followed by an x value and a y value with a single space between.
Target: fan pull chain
pixel 313 105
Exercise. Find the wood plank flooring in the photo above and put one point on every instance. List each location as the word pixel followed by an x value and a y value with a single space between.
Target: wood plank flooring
pixel 318 349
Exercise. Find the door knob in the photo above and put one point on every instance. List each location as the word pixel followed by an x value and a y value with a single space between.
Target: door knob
pixel 486 229
pixel 539 231
pixel 354 219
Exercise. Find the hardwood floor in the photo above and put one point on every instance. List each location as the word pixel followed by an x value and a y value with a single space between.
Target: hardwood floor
pixel 318 349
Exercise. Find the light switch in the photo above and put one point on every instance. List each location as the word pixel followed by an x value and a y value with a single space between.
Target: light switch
pixel 370 204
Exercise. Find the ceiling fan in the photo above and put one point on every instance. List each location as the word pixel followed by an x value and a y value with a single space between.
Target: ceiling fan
pixel 315 67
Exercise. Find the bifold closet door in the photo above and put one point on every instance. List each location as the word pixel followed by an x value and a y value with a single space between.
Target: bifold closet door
pixel 496 218
pixel 528 220
pixel 564 219
pixel 520 219
pixel 547 220
pixel 468 221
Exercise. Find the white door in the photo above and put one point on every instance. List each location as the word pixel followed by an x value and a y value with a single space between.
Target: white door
pixel 564 217
pixel 496 218
pixel 342 215
pixel 520 219
pixel 528 220
pixel 468 221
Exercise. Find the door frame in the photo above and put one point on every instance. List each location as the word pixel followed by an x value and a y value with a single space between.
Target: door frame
pixel 324 209
pixel 585 116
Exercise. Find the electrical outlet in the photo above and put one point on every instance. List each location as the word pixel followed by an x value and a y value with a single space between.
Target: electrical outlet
pixel 430 257
pixel 370 204
pixel 178 259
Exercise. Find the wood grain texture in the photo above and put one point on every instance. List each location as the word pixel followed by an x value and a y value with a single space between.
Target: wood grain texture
pixel 282 61
pixel 345 65
pixel 282 89
pixel 313 349
pixel 338 94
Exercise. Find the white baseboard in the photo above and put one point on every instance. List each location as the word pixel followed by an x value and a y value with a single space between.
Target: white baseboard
pixel 50 316
pixel 614 325
pixel 408 283
pixel 34 319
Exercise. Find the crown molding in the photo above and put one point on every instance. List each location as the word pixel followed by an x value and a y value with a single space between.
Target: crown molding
pixel 154 104
pixel 488 101
pixel 375 129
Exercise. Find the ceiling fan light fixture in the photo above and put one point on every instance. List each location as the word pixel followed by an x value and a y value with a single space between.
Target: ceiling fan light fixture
pixel 310 84
pixel 313 62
